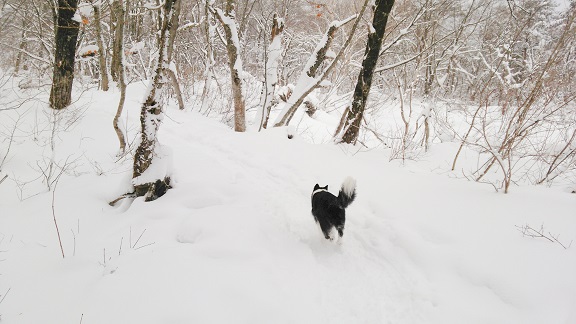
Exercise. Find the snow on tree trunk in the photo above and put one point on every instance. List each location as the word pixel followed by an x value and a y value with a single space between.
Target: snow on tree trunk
pixel 308 81
pixel 66 37
pixel 228 20
pixel 271 72
pixel 209 31
pixel 172 73
pixel 382 9
pixel 152 162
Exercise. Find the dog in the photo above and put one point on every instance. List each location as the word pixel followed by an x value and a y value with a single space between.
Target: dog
pixel 329 210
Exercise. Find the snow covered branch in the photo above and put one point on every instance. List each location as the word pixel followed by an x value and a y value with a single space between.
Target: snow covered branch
pixel 308 82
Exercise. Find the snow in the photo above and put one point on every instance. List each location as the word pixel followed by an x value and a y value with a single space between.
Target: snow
pixel 136 47
pixel 85 50
pixel 234 240
pixel 273 58
pixel 86 10
pixel 160 168
pixel 230 21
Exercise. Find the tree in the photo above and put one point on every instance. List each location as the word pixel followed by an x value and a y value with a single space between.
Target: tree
pixel 101 49
pixel 120 12
pixel 170 49
pixel 154 182
pixel 271 72
pixel 309 80
pixel 66 37
pixel 228 20
pixel 382 10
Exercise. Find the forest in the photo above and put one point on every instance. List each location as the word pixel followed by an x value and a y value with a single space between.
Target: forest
pixel 157 159
pixel 504 69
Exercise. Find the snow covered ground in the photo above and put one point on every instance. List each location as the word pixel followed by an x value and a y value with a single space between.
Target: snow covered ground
pixel 234 240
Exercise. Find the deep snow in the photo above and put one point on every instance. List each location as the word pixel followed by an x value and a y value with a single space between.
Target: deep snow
pixel 234 240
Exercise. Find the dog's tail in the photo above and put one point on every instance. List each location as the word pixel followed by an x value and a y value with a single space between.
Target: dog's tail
pixel 347 192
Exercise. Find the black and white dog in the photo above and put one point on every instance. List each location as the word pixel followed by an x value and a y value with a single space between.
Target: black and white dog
pixel 329 210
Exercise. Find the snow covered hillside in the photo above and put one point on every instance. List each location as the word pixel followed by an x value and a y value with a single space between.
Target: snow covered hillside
pixel 234 240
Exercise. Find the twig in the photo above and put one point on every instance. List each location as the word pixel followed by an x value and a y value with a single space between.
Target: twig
pixel 4 178
pixel 527 230
pixel 6 294
pixel 56 223
pixel 139 237
pixel 145 245
pixel 74 236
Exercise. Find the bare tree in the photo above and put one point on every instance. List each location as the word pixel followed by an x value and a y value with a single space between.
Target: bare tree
pixel 171 37
pixel 209 31
pixel 101 49
pixel 382 9
pixel 120 12
pixel 147 180
pixel 309 80
pixel 271 71
pixel 228 20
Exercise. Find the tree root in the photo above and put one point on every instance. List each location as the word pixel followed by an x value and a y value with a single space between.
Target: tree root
pixel 150 191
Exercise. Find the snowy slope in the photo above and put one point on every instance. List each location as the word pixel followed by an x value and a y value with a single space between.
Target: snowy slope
pixel 234 240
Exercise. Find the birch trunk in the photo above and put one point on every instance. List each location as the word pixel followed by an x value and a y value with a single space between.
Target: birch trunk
pixel 101 49
pixel 228 20
pixel 147 181
pixel 271 72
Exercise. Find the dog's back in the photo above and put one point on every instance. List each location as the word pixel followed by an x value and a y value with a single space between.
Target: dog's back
pixel 329 210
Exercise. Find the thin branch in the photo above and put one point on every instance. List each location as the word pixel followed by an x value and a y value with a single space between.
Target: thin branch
pixel 529 231
pixel 56 223
pixel 139 237
pixel 6 294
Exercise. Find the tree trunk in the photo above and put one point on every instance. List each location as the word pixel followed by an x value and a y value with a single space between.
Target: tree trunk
pixel 117 129
pixel 118 15
pixel 209 29
pixel 152 184
pixel 118 65
pixel 170 50
pixel 121 84
pixel 22 46
pixel 66 37
pixel 101 49
pixel 228 21
pixel 382 9
pixel 271 72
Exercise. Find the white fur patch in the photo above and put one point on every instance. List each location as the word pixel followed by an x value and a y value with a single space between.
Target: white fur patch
pixel 317 191
pixel 333 234
pixel 349 186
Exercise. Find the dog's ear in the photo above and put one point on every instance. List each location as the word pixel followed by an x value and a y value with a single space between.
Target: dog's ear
pixel 316 187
